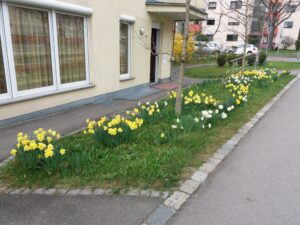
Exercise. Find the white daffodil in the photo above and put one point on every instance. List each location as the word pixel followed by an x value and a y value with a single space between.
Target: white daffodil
pixel 224 115
pixel 221 107
pixel 174 126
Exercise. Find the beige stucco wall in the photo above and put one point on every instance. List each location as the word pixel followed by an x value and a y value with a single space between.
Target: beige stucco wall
pixel 104 53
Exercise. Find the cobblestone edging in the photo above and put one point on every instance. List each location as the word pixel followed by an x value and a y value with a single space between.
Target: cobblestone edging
pixel 172 204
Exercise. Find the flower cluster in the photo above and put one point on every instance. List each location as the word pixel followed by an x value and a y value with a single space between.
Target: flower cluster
pixel 111 132
pixel 196 98
pixel 40 152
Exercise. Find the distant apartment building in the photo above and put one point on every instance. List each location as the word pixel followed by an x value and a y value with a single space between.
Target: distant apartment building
pixel 221 26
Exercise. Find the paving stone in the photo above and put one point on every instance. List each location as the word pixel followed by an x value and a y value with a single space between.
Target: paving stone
pixel 165 194
pixel 27 191
pixel 50 191
pixel 214 161
pixel 199 176
pixel 133 192
pixel 109 192
pixel 207 168
pixel 176 199
pixel 155 194
pixel 3 190
pixel 17 191
pixel 39 191
pixel 219 156
pixel 86 192
pixel 99 191
pixel 74 192
pixel 62 191
pixel 161 215
pixel 189 186
pixel 145 193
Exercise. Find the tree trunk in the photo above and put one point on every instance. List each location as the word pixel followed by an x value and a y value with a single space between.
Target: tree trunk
pixel 178 104
pixel 246 37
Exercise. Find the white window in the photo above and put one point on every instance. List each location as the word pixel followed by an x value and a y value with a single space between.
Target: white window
pixel 46 51
pixel 125 49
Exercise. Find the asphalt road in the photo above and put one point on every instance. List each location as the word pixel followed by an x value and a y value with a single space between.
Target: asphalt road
pixel 259 183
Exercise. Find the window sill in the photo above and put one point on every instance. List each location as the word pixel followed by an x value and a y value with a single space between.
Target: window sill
pixel 126 79
pixel 35 96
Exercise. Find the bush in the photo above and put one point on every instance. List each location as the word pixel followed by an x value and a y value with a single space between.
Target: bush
pixel 262 58
pixel 202 37
pixel 177 47
pixel 251 59
pixel 297 44
pixel 221 60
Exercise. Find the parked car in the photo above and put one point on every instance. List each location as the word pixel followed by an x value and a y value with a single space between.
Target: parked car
pixel 230 49
pixel 250 49
pixel 211 48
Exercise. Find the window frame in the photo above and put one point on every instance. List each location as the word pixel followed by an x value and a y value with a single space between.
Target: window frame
pixel 9 62
pixel 233 23
pixel 126 75
pixel 209 7
pixel 8 94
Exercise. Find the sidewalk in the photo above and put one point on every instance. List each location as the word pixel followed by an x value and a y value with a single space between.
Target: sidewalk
pixel 259 183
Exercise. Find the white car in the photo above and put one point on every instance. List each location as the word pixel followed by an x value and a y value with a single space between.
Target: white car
pixel 250 49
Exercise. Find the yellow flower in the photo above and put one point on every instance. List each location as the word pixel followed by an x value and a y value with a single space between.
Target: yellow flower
pixel 162 135
pixel 62 151
pixel 54 133
pixel 135 110
pixel 238 102
pixel 58 136
pixel 120 130
pixel 13 152
pixel 84 132
pixel 49 139
pixel 40 137
pixel 191 93
pixel 48 153
pixel 41 146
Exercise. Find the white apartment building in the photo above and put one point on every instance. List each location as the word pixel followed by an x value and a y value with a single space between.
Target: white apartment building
pixel 221 28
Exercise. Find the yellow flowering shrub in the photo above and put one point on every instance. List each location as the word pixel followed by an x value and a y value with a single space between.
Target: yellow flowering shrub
pixel 41 152
pixel 177 47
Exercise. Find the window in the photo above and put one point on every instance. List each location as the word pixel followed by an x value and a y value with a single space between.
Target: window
pixel 233 23
pixel 232 37
pixel 71 49
pixel 45 51
pixel 288 24
pixel 291 8
pixel 210 37
pixel 31 48
pixel 210 22
pixel 124 49
pixel 212 5
pixel 235 4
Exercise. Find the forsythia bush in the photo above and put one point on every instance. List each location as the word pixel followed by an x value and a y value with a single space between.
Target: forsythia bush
pixel 39 153
pixel 177 47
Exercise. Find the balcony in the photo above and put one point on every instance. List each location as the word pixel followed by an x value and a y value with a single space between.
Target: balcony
pixel 175 9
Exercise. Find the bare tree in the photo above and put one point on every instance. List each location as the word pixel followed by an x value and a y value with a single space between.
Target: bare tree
pixel 178 104
pixel 277 11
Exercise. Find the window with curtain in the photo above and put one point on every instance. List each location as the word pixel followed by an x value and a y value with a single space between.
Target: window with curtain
pixel 71 48
pixel 124 48
pixel 3 88
pixel 31 47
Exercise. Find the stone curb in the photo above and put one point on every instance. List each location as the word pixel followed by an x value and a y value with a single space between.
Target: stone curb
pixel 84 192
pixel 173 203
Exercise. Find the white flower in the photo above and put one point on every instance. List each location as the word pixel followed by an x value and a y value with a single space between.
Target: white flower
pixel 139 104
pixel 196 120
pixel 217 111
pixel 182 128
pixel 166 103
pixel 229 109
pixel 203 126
pixel 174 126
pixel 178 120
pixel 202 118
pixel 209 125
pixel 224 115
pixel 147 103
pixel 221 107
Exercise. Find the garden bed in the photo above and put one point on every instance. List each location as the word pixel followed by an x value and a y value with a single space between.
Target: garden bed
pixel 149 151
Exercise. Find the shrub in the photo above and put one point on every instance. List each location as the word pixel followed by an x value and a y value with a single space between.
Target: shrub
pixel 231 57
pixel 202 37
pixel 262 58
pixel 251 59
pixel 221 60
pixel 297 44
pixel 177 47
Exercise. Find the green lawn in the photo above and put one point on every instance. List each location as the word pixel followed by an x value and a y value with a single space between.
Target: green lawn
pixel 221 72
pixel 147 162
pixel 283 53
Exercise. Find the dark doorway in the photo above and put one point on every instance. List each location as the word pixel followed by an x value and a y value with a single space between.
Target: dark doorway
pixel 154 56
